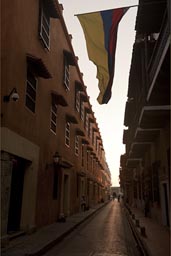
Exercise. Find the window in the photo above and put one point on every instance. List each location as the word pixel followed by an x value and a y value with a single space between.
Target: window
pixel 55 184
pixel 82 155
pixel 31 91
pixel 77 100
pixel 93 138
pixel 96 143
pixel 87 159
pixel 66 72
pixel 82 111
pixel 87 123
pixel 76 145
pixel 67 134
pixel 89 130
pixel 92 163
pixel 53 118
pixel 45 26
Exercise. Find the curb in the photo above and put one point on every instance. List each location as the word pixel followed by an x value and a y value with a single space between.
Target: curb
pixel 138 231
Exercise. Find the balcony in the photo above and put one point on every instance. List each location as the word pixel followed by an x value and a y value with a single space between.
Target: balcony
pixel 159 65
pixel 154 117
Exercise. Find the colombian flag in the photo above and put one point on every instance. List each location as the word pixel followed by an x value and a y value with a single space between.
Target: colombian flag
pixel 100 30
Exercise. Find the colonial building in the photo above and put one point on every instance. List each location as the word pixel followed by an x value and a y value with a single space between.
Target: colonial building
pixel 51 149
pixel 145 167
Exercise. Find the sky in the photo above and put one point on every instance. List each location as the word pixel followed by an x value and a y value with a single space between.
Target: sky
pixel 110 116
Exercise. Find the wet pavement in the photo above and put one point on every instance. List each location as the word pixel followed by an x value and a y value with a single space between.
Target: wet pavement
pixel 115 230
pixel 105 234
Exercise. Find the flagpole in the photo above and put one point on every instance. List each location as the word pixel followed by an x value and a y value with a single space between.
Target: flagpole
pixel 131 6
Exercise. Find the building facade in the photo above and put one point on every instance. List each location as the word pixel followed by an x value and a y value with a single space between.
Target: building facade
pixel 51 148
pixel 145 167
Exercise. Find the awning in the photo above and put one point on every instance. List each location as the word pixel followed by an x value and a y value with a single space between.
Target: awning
pixel 52 8
pixel 79 132
pixel 98 137
pixel 85 142
pixel 58 99
pixel 71 118
pixel 95 129
pixel 70 57
pixel 88 110
pixel 91 120
pixel 79 86
pixel 93 154
pixel 83 96
pixel 37 66
pixel 89 147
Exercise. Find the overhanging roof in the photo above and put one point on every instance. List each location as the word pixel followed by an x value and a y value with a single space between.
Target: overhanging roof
pixel 37 66
pixel 52 8
pixel 79 86
pixel 83 96
pixel 71 118
pixel 88 110
pixel 58 99
pixel 70 57
pixel 79 132
pixel 84 141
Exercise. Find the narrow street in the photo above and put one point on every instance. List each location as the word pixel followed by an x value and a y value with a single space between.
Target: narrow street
pixel 107 233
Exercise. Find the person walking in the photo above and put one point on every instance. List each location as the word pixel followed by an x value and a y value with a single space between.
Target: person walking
pixel 114 196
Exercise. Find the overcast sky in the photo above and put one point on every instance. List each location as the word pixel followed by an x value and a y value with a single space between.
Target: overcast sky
pixel 110 116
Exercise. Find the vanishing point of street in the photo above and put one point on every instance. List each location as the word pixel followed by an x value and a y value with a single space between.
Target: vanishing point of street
pixel 106 234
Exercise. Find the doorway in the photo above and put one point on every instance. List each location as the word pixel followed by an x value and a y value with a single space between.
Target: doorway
pixel 165 204
pixel 16 194
pixel 66 195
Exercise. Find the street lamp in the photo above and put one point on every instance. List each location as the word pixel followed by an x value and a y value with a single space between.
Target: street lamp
pixel 13 95
pixel 56 158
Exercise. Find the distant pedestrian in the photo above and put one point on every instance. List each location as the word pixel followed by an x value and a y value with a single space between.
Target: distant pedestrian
pixel 118 198
pixel 114 195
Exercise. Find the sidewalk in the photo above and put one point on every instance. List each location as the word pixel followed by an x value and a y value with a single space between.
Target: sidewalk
pixel 154 237
pixel 39 242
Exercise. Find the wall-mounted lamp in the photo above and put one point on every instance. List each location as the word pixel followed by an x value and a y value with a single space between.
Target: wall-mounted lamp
pixel 56 158
pixel 13 95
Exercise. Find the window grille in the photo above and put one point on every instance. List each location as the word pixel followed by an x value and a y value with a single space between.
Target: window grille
pixel 45 27
pixel 82 155
pixel 82 111
pixel 67 134
pixel 53 120
pixel 31 91
pixel 76 145
pixel 77 100
pixel 66 73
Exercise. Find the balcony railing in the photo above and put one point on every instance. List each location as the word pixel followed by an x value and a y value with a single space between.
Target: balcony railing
pixel 140 103
pixel 159 49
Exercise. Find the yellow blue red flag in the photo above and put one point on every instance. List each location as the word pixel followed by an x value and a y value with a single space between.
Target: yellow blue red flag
pixel 100 31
